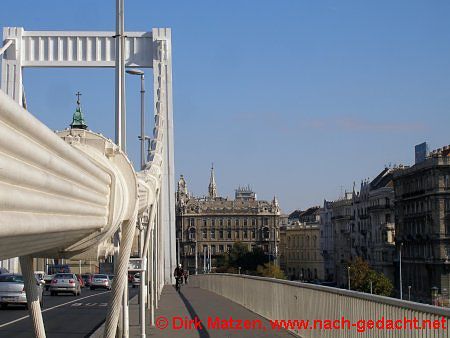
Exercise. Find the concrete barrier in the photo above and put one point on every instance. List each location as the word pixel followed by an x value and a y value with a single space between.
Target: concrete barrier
pixel 277 299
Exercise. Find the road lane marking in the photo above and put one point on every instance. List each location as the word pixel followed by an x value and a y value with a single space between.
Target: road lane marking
pixel 52 308
pixel 89 304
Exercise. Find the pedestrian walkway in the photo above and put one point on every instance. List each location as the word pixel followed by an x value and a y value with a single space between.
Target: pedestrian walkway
pixel 186 314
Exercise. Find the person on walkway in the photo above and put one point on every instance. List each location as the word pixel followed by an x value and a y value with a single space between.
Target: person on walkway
pixel 178 274
pixel 186 276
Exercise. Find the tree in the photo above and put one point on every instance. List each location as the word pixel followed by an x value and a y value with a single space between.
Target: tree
pixel 382 285
pixel 223 264
pixel 270 270
pixel 359 270
pixel 237 255
pixel 361 276
pixel 255 258
pixel 240 257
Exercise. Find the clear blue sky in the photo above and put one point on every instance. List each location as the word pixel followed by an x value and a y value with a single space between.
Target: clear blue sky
pixel 296 98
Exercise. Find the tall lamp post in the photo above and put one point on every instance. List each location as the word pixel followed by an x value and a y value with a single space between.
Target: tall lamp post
pixel 400 269
pixel 348 277
pixel 142 136
pixel 142 296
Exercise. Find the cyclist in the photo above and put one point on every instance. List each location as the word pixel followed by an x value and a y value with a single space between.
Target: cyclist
pixel 178 274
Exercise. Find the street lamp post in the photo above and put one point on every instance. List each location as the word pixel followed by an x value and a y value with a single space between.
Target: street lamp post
pixel 348 277
pixel 142 136
pixel 142 295
pixel 400 269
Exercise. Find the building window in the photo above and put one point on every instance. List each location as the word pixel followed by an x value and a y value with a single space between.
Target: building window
pixel 245 234
pixel 237 234
pixel 253 221
pixel 192 234
pixel 221 222
pixel 213 233
pixel 213 222
pixel 229 222
pixel 236 222
pixel 221 233
pixel 192 222
pixel 229 233
pixel 266 221
pixel 228 248
pixel 245 222
pixel 204 233
pixel 220 248
pixel 253 233
pixel 204 222
pixel 213 249
pixel 266 233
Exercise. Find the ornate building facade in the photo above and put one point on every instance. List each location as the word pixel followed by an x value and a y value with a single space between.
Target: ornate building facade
pixel 210 225
pixel 341 223
pixel 373 227
pixel 300 245
pixel 422 208
pixel 327 240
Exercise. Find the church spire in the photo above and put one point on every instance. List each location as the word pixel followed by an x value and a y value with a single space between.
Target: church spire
pixel 212 191
pixel 78 121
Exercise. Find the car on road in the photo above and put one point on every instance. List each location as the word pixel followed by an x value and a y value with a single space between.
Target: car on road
pixel 48 281
pixel 87 278
pixel 12 291
pixel 136 280
pixel 100 281
pixel 65 283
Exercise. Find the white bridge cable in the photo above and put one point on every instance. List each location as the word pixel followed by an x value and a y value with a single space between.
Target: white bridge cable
pixel 112 317
pixel 26 263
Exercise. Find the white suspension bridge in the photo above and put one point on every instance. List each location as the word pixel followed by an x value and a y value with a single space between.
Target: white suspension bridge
pixel 75 194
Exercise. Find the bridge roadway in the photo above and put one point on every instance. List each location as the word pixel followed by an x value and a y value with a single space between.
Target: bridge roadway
pixel 195 304
pixel 64 315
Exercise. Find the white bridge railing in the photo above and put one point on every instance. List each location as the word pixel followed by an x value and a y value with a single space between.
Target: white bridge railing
pixel 277 299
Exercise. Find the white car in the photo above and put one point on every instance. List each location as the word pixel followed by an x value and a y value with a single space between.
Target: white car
pixel 65 282
pixel 136 280
pixel 12 291
pixel 100 281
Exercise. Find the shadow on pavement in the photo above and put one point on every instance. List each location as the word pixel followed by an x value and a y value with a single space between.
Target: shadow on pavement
pixel 203 333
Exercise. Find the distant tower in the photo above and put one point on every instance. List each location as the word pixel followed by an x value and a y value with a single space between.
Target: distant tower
pixel 275 204
pixel 212 191
pixel 182 192
pixel 78 121
pixel 182 187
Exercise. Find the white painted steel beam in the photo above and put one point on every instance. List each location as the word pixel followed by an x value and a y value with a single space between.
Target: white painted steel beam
pixel 83 49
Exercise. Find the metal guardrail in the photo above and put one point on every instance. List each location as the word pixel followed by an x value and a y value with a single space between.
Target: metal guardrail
pixel 280 299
